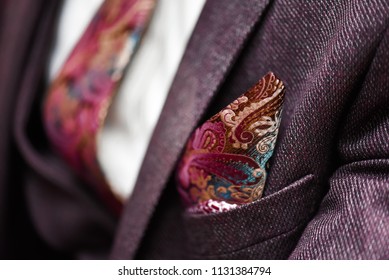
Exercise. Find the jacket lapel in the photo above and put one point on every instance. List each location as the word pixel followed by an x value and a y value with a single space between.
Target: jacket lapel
pixel 220 34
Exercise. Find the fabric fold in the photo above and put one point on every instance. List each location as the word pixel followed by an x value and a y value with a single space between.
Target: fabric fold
pixel 224 164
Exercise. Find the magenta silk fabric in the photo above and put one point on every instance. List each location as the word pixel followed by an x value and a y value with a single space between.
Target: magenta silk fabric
pixel 79 97
pixel 224 164
pixel 327 189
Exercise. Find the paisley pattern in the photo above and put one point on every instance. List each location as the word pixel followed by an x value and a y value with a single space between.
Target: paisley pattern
pixel 78 99
pixel 224 164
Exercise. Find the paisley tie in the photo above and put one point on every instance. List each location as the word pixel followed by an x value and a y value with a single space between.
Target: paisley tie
pixel 224 164
pixel 78 99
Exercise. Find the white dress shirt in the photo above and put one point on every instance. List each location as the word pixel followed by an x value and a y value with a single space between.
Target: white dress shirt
pixel 137 106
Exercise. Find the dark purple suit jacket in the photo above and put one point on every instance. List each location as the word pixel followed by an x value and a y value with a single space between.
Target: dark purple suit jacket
pixel 327 194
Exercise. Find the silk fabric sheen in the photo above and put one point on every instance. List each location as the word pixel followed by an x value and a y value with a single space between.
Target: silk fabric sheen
pixel 327 188
pixel 225 161
pixel 78 99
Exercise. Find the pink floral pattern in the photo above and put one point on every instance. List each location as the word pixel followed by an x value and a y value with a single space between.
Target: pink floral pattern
pixel 224 164
pixel 78 99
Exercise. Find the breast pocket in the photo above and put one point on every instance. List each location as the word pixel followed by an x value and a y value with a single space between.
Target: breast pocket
pixel 268 228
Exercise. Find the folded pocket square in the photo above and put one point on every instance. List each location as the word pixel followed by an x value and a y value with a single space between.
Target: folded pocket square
pixel 224 164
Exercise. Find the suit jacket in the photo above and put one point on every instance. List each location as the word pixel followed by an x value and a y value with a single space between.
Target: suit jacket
pixel 327 193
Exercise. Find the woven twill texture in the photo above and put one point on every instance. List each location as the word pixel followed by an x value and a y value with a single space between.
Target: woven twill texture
pixel 327 194
pixel 328 190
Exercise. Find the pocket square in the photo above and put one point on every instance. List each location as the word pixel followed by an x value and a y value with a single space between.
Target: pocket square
pixel 224 163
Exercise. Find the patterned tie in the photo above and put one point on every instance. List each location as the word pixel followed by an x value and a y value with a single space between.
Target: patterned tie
pixel 224 164
pixel 78 99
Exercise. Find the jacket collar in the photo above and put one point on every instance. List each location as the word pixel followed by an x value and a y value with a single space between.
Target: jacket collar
pixel 217 40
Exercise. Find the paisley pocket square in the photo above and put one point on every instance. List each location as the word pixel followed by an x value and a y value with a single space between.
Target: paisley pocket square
pixel 224 163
